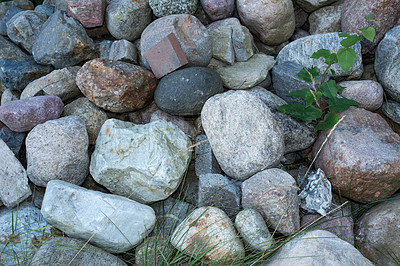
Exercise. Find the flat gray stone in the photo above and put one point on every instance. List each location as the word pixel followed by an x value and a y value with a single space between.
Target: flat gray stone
pixel 311 5
pixel 205 162
pixel 325 20
pixel 123 50
pixel 113 223
pixel 392 110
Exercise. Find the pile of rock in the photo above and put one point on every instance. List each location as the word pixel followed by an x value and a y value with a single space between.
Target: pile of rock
pixel 153 125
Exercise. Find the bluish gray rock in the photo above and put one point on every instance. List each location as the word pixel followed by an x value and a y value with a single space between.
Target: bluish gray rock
pixel 58 149
pixel 13 10
pixel 11 51
pixel 45 9
pixel 14 188
pixel 143 162
pixel 392 110
pixel 62 42
pixel 205 162
pixel 123 50
pixel 300 50
pixel 24 27
pixel 127 19
pixel 9 96
pixel 388 70
pixel 326 19
pixel 162 8
pixel 113 223
pixel 185 91
pixel 14 140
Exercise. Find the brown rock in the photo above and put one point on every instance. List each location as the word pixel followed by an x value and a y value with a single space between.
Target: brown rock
pixel 361 157
pixel 143 116
pixel 387 12
pixel 116 86
pixel 90 13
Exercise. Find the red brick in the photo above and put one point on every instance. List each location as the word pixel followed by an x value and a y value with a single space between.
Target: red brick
pixel 165 56
pixel 90 13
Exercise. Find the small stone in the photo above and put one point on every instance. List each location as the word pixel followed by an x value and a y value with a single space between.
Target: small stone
pixel 113 223
pixel 317 247
pixel 191 34
pixel 58 149
pixel 24 27
pixel 58 4
pixel 165 56
pixel 148 166
pixel 63 251
pixel 14 140
pixel 16 74
pixel 185 91
pixel 325 20
pixel 9 96
pixel 253 230
pixel 244 75
pixel 102 48
pixel 23 115
pixel 368 93
pixel 9 50
pixel 116 86
pixel 243 134
pixel 218 191
pixel 126 19
pixel 377 233
pixel 273 193
pixel 4 6
pixel 311 5
pixel 162 8
pixel 14 188
pixel 24 4
pixel 123 50
pixel 182 124
pixel 392 110
pixel 271 21
pixel 93 116
pixel 300 16
pixel 208 231
pixel 12 11
pixel 45 9
pixel 89 13
pixel 155 250
pixel 217 10
pixel 60 83
pixel 143 116
pixel 205 162
pixel 67 42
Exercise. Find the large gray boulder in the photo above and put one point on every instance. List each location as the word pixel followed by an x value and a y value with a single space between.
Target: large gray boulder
pixel 143 162
pixel 113 223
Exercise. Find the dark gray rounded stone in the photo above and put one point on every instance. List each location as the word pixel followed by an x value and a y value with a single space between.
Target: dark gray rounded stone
pixel 185 91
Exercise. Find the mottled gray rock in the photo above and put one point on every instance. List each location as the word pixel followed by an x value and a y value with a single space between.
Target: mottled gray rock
pixel 271 21
pixel 162 8
pixel 48 10
pixel 9 96
pixel 58 149
pixel 216 9
pixel 377 233
pixel 142 162
pixel 64 251
pixel 317 248
pixel 387 70
pixel 325 20
pixel 273 193
pixel 253 230
pixel 155 250
pixel 392 110
pixel 14 140
pixel 113 223
pixel 300 51
pixel 9 50
pixel 143 115
pixel 24 4
pixel 4 6
pixel 208 231
pixel 368 93
pixel 205 162
pixel 311 5
pixel 12 11
pixel 60 83
pixel 218 191
pixel 14 188
pixel 93 116
pixel 123 50
pixel 102 48
pixel 127 19
pixel 181 123
pixel 21 229
pixel 243 134
pixel 24 27
pixel 244 75
pixel 58 4
pixel 67 43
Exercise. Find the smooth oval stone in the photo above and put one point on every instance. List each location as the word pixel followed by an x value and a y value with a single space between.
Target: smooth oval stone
pixel 217 9
pixel 368 93
pixel 185 91
pixel 23 115
pixel 116 86
pixel 162 8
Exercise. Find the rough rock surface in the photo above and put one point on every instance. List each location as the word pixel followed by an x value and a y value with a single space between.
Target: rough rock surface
pixel 368 93
pixel 116 86
pixel 243 134
pixel 89 13
pixel 311 5
pixel 155 250
pixel 361 157
pixel 111 222
pixel 181 123
pixel 162 8
pixel 12 11
pixel 208 229
pixel 325 20
pixel 217 9
pixel 58 149
pixel 142 162
pixel 392 110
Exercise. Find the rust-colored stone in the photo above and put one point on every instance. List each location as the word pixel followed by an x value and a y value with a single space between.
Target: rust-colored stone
pixel 90 13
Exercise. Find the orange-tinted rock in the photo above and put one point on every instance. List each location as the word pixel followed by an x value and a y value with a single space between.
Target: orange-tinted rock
pixel 116 86
pixel 361 157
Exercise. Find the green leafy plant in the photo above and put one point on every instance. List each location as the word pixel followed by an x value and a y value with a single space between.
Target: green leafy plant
pixel 313 109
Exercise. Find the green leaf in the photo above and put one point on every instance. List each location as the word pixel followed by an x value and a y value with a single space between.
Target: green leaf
pixel 303 74
pixel 332 72
pixel 339 105
pixel 369 17
pixel 346 58
pixel 344 34
pixel 329 89
pixel 350 41
pixel 310 99
pixel 329 122
pixel 332 59
pixel 321 53
pixel 368 33
pixel 340 88
pixel 299 93
pixel 301 112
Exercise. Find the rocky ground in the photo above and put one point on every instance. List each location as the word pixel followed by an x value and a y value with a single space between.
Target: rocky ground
pixel 147 133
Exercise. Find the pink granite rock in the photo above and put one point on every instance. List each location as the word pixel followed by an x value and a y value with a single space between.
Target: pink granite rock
pixel 218 9
pixel 90 13
pixel 368 93
pixel 23 115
